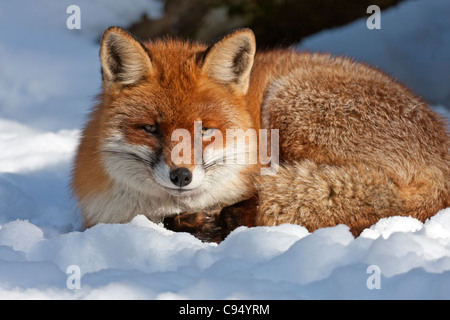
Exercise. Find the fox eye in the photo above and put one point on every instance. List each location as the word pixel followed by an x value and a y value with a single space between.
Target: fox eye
pixel 150 128
pixel 206 132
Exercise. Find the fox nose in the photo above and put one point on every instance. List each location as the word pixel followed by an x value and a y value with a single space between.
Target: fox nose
pixel 181 177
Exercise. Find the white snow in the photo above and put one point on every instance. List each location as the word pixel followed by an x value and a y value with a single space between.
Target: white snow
pixel 49 77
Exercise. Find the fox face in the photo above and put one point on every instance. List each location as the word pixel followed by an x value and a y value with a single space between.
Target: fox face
pixel 155 149
pixel 160 129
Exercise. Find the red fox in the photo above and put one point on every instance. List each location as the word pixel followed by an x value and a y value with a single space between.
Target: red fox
pixel 354 145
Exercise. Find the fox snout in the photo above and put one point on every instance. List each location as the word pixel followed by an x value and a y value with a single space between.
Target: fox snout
pixel 181 177
pixel 178 179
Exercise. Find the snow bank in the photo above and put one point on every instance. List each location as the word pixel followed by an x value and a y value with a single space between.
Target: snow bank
pixel 49 77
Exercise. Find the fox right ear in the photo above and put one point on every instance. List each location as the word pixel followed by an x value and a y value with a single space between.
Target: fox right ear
pixel 124 59
pixel 230 60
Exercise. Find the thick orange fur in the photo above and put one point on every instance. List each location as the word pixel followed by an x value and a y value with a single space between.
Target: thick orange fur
pixel 355 146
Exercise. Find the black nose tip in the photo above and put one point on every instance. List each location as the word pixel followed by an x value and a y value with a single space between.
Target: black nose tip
pixel 181 177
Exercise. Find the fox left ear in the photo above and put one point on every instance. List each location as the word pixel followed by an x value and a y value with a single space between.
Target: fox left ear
pixel 230 60
pixel 124 59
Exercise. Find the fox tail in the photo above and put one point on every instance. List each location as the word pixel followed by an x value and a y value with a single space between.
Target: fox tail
pixel 319 195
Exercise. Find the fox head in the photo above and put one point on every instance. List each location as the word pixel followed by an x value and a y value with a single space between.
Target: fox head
pixel 164 104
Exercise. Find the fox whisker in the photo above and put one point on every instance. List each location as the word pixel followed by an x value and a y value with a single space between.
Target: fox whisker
pixel 131 156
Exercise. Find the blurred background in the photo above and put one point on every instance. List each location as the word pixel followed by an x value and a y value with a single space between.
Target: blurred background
pixel 275 23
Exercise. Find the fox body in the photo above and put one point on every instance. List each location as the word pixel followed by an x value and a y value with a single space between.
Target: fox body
pixel 354 145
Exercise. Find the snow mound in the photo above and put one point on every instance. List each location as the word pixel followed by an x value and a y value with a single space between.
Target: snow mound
pixel 37 149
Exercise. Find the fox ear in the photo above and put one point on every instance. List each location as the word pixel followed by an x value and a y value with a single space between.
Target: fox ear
pixel 124 59
pixel 230 60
